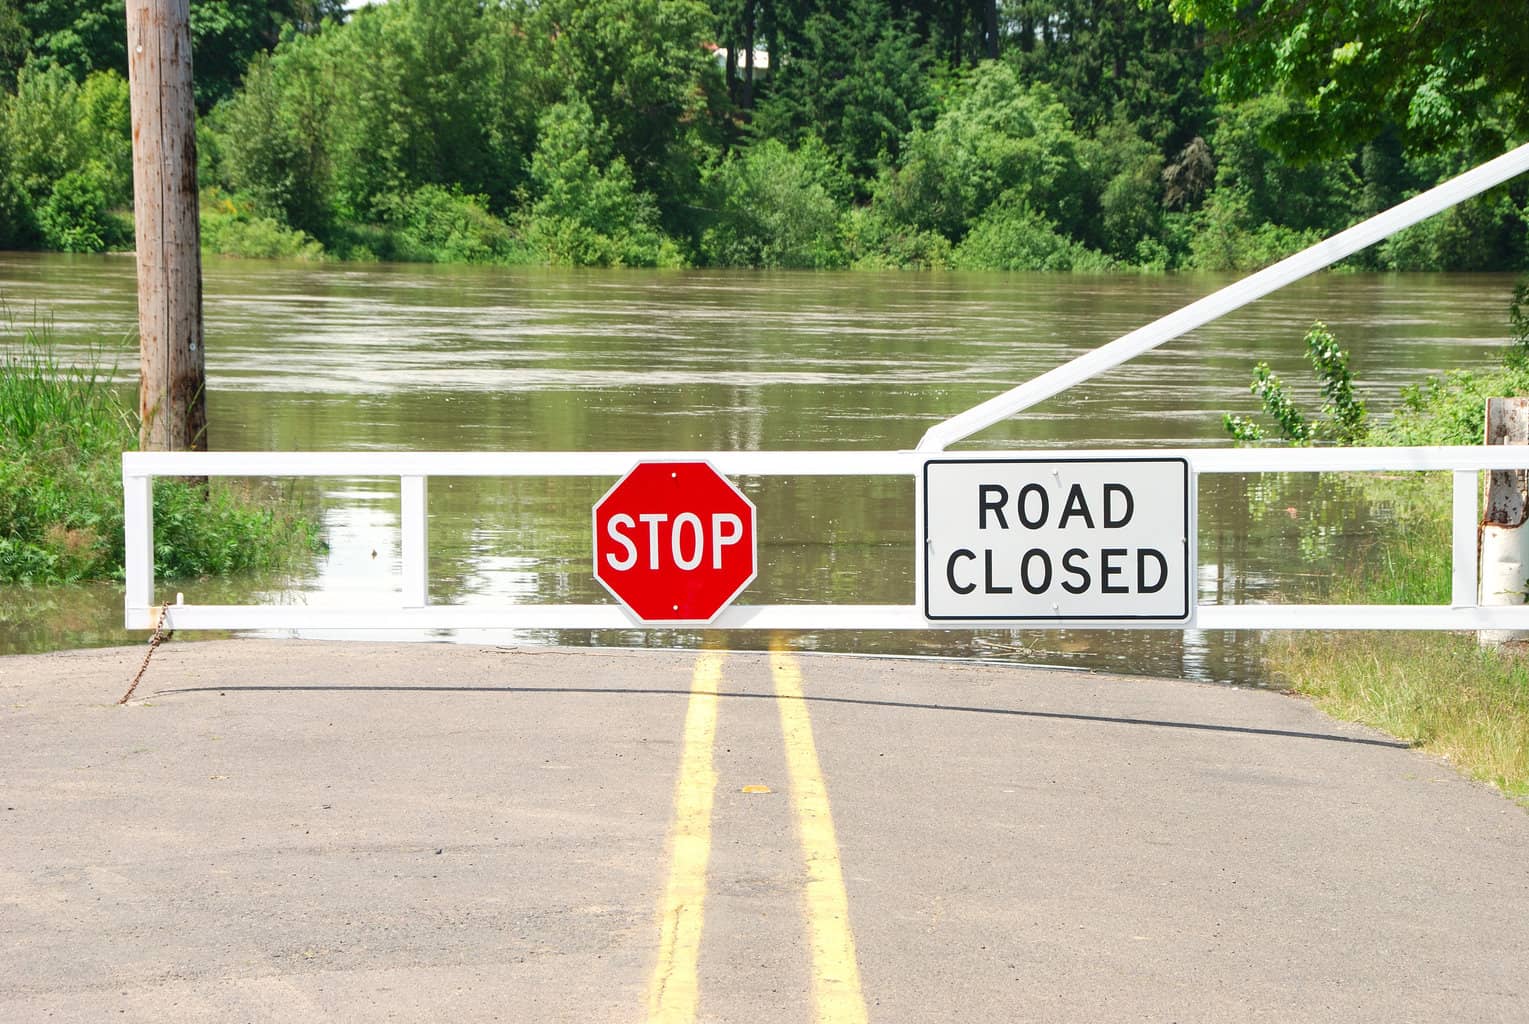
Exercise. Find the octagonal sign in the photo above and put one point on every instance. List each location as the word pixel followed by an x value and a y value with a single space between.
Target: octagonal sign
pixel 674 542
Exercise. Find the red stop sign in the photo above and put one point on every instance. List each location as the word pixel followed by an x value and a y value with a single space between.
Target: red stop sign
pixel 674 541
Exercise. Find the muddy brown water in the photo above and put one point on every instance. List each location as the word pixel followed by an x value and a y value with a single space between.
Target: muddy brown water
pixel 351 358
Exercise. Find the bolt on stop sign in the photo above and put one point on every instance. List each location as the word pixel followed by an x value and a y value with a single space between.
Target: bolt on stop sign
pixel 674 542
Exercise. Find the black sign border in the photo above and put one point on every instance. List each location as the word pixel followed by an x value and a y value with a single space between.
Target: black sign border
pixel 1185 617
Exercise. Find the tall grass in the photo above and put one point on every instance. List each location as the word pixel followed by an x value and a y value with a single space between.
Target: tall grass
pixel 1437 691
pixel 63 429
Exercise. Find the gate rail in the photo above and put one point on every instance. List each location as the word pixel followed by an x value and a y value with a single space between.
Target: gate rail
pixel 413 470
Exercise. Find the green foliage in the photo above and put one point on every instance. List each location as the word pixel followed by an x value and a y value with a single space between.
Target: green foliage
pixel 588 211
pixel 1300 194
pixel 65 161
pixel 875 241
pixel 995 139
pixel 438 225
pixel 1343 413
pixel 404 108
pixel 1225 236
pixel 1277 404
pixel 1262 208
pixel 42 129
pixel 1441 73
pixel 777 207
pixel 273 138
pixel 1482 234
pixel 84 36
pixel 1342 419
pixel 104 121
pixel 857 79
pixel 1013 236
pixel 74 217
pixel 1126 173
pixel 1062 133
pixel 1450 408
pixel 1116 61
pixel 62 433
pixel 232 227
pixel 640 68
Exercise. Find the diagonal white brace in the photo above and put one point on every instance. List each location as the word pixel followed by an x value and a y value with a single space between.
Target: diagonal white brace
pixel 1232 297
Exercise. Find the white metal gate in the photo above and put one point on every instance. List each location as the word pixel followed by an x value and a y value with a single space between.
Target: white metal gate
pixel 413 470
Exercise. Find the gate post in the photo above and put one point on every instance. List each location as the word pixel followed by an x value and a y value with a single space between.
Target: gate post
pixel 1504 540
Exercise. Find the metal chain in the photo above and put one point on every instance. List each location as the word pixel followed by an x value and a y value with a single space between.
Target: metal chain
pixel 159 637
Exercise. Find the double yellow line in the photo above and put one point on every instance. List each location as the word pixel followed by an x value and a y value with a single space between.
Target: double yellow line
pixel 674 992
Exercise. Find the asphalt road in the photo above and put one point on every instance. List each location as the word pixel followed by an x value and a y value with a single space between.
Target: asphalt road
pixel 289 831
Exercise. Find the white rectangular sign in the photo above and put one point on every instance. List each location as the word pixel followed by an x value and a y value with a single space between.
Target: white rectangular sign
pixel 1058 540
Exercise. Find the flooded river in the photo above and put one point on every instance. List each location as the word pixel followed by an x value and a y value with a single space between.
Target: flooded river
pixel 351 358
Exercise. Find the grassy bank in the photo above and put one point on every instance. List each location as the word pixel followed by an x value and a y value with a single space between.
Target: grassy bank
pixel 62 433
pixel 1438 691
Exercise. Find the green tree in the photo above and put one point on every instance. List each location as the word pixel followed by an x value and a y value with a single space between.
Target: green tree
pixel 408 77
pixel 778 208
pixel 15 42
pixel 82 36
pixel 43 128
pixel 858 79
pixel 640 68
pixel 273 137
pixel 996 138
pixel 588 210
pixel 1440 72
pixel 1116 61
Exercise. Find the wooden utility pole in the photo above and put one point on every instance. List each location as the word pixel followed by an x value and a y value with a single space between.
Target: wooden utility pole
pixel 172 400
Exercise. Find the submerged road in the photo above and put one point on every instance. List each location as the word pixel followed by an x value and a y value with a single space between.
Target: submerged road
pixel 296 831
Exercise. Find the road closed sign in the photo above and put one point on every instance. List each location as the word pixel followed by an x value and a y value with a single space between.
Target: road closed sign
pixel 1058 540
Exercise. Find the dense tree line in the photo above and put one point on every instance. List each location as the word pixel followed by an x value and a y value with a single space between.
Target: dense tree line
pixel 1031 134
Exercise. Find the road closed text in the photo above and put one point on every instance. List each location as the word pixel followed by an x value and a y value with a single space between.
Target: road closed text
pixel 1062 540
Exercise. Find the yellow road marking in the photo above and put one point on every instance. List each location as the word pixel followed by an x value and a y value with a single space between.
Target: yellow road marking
pixel 836 995
pixel 674 992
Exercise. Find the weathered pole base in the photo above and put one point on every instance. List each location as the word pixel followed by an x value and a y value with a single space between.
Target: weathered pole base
pixel 1504 576
pixel 1504 543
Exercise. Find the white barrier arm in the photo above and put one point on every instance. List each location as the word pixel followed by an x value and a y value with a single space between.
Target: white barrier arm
pixel 1232 297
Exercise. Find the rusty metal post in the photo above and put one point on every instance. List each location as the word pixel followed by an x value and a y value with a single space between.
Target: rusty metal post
pixel 172 400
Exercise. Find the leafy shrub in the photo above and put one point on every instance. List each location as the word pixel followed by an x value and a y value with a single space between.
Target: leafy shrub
pixel 438 225
pixel 105 122
pixel 1314 195
pixel 1343 419
pixel 588 212
pixel 231 227
pixel 18 223
pixel 873 241
pixel 997 138
pixel 74 217
pixel 1127 176
pixel 1472 236
pixel 42 129
pixel 1012 236
pixel 1225 236
pixel 778 208
pixel 273 138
